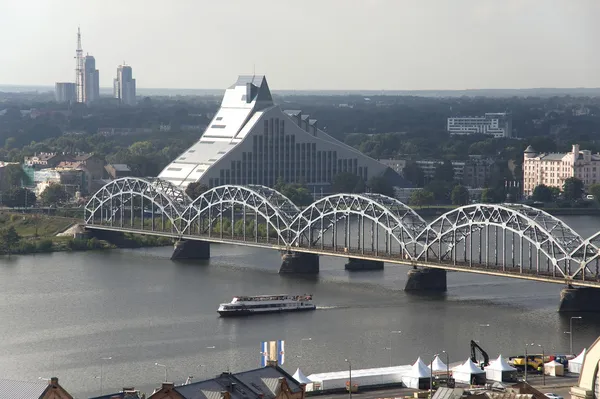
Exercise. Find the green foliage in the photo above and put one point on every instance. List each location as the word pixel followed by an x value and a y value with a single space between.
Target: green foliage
pixel 12 176
pixel 54 195
pixel 594 190
pixel 18 197
pixel 421 197
pixel 441 190
pixel 573 189
pixel 9 238
pixel 194 190
pixel 492 196
pixel 44 245
pixel 347 183
pixel 542 193
pixel 297 193
pixel 460 195
pixel 414 174
pixel 444 171
pixel 380 185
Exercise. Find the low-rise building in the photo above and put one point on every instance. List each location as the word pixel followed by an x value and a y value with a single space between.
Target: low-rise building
pixel 117 170
pixel 33 389
pixel 496 124
pixel 429 167
pixel 553 169
pixel 476 172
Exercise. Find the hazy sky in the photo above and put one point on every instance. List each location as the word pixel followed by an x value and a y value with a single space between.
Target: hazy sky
pixel 308 44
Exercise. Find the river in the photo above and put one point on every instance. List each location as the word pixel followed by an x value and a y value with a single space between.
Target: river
pixel 63 312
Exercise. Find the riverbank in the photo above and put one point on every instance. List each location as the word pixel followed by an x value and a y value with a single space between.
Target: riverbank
pixel 37 233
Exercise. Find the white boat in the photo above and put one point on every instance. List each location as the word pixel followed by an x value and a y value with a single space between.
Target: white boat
pixel 248 305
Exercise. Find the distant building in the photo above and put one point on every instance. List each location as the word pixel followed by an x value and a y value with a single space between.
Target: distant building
pixel 124 85
pixel 429 167
pixel 253 141
pixel 117 170
pixel 65 92
pixel 553 169
pixel 33 389
pixel 395 164
pixel 493 124
pixel 91 80
pixel 477 172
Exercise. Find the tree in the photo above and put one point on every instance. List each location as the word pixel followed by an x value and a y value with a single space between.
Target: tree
pixel 573 189
pixel 444 171
pixel 12 176
pixel 440 190
pixel 488 196
pixel 594 190
pixel 460 195
pixel 414 174
pixel 18 197
pixel 54 194
pixel 421 197
pixel 380 185
pixel 9 238
pixel 347 182
pixel 195 189
pixel 542 193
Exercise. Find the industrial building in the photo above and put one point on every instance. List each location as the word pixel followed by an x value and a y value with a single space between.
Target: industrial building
pixel 253 141
pixel 498 124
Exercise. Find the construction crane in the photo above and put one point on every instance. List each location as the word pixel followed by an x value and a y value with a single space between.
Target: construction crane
pixel 474 348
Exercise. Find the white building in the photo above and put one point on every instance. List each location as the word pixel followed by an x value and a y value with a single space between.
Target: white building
pixel 553 169
pixel 91 80
pixel 252 141
pixel 124 85
pixel 65 92
pixel 493 124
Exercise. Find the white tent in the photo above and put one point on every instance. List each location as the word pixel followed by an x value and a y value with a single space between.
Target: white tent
pixel 419 376
pixel 554 368
pixel 438 366
pixel 500 370
pixel 575 364
pixel 469 373
pixel 301 378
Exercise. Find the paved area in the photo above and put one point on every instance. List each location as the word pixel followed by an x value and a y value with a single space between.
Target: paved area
pixel 384 393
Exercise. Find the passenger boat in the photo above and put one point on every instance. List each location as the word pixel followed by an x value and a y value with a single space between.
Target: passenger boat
pixel 249 305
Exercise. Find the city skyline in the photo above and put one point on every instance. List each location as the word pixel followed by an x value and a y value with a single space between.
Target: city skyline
pixel 384 44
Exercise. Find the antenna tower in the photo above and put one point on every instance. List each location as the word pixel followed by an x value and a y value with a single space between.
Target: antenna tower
pixel 79 68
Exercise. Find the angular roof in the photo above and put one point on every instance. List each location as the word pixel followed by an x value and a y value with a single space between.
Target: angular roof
pixel 22 389
pixel 579 358
pixel 501 365
pixel 468 367
pixel 210 389
pixel 530 150
pixel 419 370
pixel 301 378
pixel 265 380
pixel 438 365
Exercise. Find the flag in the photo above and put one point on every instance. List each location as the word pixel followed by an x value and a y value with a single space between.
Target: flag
pixel 264 353
pixel 280 352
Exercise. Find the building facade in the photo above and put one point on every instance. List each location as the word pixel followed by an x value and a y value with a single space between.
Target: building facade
pixel 553 169
pixel 497 124
pixel 91 80
pixel 253 141
pixel 124 85
pixel 65 92
pixel 429 167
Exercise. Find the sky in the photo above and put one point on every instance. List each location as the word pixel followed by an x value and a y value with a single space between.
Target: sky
pixel 308 44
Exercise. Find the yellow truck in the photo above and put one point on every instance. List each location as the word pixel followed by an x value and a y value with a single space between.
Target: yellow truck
pixel 534 362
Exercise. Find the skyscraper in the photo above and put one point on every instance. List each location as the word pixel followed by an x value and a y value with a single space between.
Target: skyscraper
pixel 65 92
pixel 91 80
pixel 124 85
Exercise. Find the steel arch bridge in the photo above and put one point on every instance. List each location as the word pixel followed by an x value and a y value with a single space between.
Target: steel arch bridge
pixel 511 240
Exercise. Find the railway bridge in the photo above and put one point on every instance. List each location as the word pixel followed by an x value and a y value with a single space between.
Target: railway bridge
pixel 507 240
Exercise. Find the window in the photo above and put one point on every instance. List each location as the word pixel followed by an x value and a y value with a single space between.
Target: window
pixel 217 126
pixel 219 118
pixel 174 169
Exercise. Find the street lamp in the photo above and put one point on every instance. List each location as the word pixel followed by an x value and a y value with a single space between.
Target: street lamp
pixel 390 348
pixel 570 332
pixel 162 365
pixel 101 374
pixel 350 375
pixel 543 365
pixel 302 346
pixel 526 362
pixel 447 367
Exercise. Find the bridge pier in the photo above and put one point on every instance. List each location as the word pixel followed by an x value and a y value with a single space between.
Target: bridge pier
pixel 583 299
pixel 426 279
pixel 191 250
pixel 355 264
pixel 299 262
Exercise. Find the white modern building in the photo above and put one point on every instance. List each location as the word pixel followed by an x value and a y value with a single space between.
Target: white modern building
pixel 494 124
pixel 91 80
pixel 65 92
pixel 124 85
pixel 253 141
pixel 553 169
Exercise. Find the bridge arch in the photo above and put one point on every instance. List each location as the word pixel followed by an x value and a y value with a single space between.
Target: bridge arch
pixel 222 205
pixel 442 240
pixel 126 201
pixel 586 253
pixel 399 223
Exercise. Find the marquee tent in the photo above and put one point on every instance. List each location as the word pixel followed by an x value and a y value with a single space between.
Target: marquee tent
pixel 554 368
pixel 301 378
pixel 500 370
pixel 419 376
pixel 469 373
pixel 438 366
pixel 575 364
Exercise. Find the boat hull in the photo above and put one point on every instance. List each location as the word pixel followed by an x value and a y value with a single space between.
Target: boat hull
pixel 249 312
